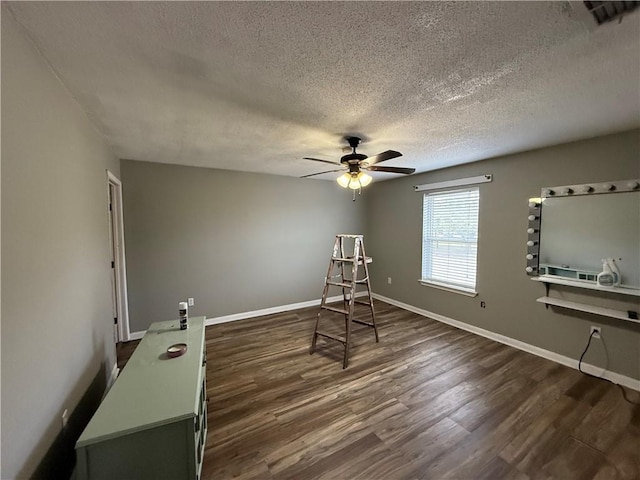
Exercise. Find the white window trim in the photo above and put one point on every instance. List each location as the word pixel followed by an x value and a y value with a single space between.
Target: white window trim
pixel 469 292
pixel 452 287
pixel 461 182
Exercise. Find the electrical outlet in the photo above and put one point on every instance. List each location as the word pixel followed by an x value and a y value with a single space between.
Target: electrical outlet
pixel 389 280
pixel 595 331
pixel 191 302
pixel 65 417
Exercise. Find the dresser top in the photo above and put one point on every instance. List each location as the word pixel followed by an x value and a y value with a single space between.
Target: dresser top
pixel 153 389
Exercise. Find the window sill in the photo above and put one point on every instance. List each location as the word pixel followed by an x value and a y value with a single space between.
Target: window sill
pixel 449 288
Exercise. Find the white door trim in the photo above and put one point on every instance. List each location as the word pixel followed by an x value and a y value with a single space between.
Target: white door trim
pixel 122 304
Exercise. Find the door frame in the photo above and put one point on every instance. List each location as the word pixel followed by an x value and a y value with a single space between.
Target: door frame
pixel 117 234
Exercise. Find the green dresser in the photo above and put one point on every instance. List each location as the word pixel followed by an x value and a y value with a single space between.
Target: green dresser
pixel 153 422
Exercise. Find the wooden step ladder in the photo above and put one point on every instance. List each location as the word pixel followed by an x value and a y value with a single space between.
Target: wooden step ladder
pixel 338 267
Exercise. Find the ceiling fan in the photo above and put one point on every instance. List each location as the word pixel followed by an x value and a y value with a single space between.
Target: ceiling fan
pixel 354 163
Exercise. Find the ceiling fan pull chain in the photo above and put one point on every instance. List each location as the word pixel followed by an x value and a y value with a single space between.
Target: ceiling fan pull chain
pixel 354 195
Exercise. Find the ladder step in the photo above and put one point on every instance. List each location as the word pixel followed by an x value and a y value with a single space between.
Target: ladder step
pixel 334 309
pixel 362 322
pixel 347 284
pixel 350 260
pixel 340 259
pixel 333 337
pixel 362 302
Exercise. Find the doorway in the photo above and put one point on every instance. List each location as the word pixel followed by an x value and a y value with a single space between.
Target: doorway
pixel 121 331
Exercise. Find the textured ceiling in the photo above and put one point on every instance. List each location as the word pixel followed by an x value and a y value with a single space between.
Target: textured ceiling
pixel 256 86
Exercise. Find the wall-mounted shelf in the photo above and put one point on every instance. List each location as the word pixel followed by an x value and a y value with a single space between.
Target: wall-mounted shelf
pixel 622 290
pixel 582 307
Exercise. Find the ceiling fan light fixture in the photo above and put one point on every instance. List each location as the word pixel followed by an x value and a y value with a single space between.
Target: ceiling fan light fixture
pixel 344 180
pixel 364 179
pixel 354 180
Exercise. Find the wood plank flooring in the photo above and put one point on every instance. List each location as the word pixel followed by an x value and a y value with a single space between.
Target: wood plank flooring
pixel 427 402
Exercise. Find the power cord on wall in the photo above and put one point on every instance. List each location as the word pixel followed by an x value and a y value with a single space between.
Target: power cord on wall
pixel 624 392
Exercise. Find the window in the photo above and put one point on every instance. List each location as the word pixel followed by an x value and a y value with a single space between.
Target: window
pixel 450 239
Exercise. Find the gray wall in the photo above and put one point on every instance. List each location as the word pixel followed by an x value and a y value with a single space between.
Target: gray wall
pixel 56 296
pixel 394 239
pixel 235 242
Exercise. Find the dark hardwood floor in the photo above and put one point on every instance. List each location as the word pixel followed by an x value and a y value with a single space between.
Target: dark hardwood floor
pixel 428 401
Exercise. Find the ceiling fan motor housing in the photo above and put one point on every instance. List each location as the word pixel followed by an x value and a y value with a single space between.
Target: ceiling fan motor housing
pixel 353 158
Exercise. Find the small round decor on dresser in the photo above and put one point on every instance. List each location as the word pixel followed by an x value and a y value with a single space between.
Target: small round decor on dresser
pixel 176 350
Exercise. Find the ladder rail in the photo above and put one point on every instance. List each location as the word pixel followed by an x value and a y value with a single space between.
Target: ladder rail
pixel 352 298
pixel 323 302
pixel 340 240
pixel 373 313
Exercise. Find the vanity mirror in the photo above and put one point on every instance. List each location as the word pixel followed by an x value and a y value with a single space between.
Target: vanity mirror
pixel 572 228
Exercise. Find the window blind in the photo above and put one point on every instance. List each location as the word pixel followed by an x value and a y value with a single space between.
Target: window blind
pixel 450 237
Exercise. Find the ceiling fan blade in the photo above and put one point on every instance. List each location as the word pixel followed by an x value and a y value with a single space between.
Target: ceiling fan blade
pixel 320 173
pixel 323 161
pixel 406 171
pixel 381 157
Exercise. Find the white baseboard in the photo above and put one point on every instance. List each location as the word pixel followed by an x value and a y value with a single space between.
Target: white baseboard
pixel 114 374
pixel 257 313
pixel 272 310
pixel 540 352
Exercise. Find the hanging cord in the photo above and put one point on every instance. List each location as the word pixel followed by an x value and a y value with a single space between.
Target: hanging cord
pixel 624 392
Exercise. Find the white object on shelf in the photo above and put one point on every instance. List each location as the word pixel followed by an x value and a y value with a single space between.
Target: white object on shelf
pixel 606 277
pixel 623 290
pixel 583 307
